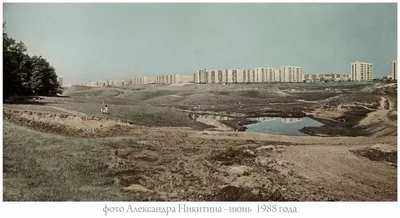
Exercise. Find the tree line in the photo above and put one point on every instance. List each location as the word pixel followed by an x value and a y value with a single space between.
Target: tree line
pixel 23 74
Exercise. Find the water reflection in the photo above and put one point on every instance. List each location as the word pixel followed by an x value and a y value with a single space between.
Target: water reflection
pixel 210 116
pixel 284 126
pixel 282 120
pixel 257 119
pixel 273 125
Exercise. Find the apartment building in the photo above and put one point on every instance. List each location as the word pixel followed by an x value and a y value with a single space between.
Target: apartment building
pixel 60 81
pixel 291 74
pixel 311 77
pixel 361 71
pixel 239 75
pixel 394 70
pixel 175 78
pixel 256 75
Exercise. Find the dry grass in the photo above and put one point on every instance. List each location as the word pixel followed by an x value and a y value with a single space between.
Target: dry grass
pixel 43 167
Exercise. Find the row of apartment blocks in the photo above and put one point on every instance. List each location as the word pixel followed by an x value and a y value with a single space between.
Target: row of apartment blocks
pixel 360 71
pixel 173 79
pixel 143 80
pixel 256 75
pixel 133 81
pixel 311 77
pixel 168 79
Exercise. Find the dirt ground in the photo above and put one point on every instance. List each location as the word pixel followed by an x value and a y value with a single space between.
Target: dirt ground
pixel 149 149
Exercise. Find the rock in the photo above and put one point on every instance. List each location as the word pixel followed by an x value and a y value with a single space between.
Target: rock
pixel 116 181
pixel 279 162
pixel 384 148
pixel 265 148
pixel 255 192
pixel 247 182
pixel 173 195
pixel 137 187
pixel 249 152
pixel 280 150
pixel 163 196
pixel 238 170
pixel 281 146
pixel 262 161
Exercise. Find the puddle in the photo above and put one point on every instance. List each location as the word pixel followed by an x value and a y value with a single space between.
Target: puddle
pixel 272 125
pixel 212 120
pixel 283 126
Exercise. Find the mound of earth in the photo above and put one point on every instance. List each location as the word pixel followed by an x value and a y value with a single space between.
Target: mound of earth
pixel 379 152
pixel 70 125
pixel 247 172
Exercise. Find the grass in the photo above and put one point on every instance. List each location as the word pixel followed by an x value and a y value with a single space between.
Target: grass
pixel 146 115
pixel 45 167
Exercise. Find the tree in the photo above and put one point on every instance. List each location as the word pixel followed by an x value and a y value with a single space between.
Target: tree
pixel 43 80
pixel 25 75
pixel 13 54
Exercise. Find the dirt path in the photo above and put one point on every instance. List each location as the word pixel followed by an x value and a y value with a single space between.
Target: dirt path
pixel 336 170
pixel 69 111
pixel 212 122
pixel 378 122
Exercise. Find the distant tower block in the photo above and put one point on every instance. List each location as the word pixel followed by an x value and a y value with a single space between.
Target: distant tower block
pixel 394 70
pixel 60 81
pixel 361 71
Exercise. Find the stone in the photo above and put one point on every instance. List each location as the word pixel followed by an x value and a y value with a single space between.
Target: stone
pixel 262 161
pixel 265 148
pixel 238 170
pixel 249 152
pixel 136 187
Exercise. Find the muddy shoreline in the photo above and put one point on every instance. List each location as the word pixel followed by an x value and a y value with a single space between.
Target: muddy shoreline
pixel 342 126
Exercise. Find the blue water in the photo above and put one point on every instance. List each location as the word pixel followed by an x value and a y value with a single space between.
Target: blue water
pixel 282 126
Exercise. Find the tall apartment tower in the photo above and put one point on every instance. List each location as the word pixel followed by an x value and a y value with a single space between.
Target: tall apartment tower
pixel 60 81
pixel 394 70
pixel 361 71
pixel 291 74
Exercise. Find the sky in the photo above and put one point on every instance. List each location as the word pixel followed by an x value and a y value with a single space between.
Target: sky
pixel 97 41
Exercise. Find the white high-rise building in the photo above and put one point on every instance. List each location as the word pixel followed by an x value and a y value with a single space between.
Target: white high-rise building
pixel 394 70
pixel 292 74
pixel 240 75
pixel 361 71
pixel 60 81
pixel 259 74
pixel 256 75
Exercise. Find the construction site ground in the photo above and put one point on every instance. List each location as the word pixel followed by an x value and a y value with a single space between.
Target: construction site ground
pixel 148 149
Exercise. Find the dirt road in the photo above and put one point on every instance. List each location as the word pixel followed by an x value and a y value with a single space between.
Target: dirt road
pixel 378 122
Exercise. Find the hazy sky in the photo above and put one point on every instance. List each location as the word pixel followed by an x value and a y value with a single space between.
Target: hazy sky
pixel 87 42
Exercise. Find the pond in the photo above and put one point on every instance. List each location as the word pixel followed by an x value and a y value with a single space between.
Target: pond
pixel 272 125
pixel 282 126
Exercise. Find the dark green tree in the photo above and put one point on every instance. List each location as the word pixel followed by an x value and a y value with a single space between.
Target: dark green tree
pixel 13 54
pixel 25 75
pixel 43 79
